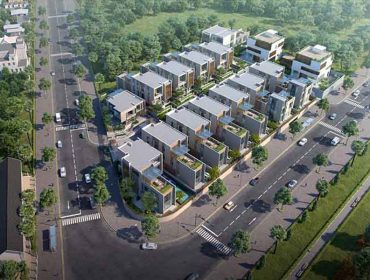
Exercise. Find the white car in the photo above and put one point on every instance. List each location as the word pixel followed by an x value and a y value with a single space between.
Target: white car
pixel 149 246
pixel 230 206
pixel 87 178
pixel 77 102
pixel 59 144
pixel 335 141
pixel 302 142
pixel 356 93
pixel 292 183
pixel 52 73
pixel 62 172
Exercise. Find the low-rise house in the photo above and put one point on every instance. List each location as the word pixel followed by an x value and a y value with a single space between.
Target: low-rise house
pixel 272 73
pixel 125 106
pixel 301 89
pixel 312 62
pixel 150 86
pixel 280 106
pixel 15 4
pixel 267 45
pixel 143 164
pixel 204 65
pixel 14 29
pixel 197 128
pixel 19 12
pixel 177 161
pixel 223 55
pixel 225 36
pixel 222 126
pixel 13 54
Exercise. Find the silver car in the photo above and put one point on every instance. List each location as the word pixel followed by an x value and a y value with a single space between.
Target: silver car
pixel 62 172
pixel 292 183
pixel 149 246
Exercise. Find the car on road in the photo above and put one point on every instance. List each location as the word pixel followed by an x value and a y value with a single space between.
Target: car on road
pixel 356 93
pixel 254 181
pixel 335 141
pixel 82 136
pixel 59 144
pixel 52 73
pixel 355 202
pixel 87 178
pixel 77 102
pixel 332 116
pixel 230 206
pixel 292 183
pixel 192 276
pixel 302 269
pixel 92 203
pixel 366 84
pixel 58 117
pixel 302 142
pixel 62 172
pixel 149 246
pixel 367 108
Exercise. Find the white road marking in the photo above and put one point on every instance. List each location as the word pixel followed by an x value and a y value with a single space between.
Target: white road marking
pixel 217 235
pixel 252 221
pixel 80 219
pixel 232 223
pixel 214 242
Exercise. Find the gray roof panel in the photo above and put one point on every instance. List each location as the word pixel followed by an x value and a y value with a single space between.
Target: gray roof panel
pixel 229 92
pixel 188 118
pixel 210 105
pixel 165 133
pixel 123 100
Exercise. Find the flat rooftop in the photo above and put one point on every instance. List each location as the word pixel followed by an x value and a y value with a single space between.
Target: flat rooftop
pixel 196 57
pixel 165 133
pixel 210 105
pixel 123 100
pixel 219 31
pixel 269 36
pixel 174 67
pixel 316 52
pixel 229 92
pixel 248 80
pixel 216 47
pixel 268 67
pixel 188 118
pixel 282 95
pixel 150 79
pixel 139 154
pixel 301 81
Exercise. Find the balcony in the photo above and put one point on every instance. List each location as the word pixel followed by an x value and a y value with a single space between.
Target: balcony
pixel 190 162
pixel 180 150
pixel 214 145
pixel 245 106
pixel 255 115
pixel 237 130
pixel 161 185
pixel 204 133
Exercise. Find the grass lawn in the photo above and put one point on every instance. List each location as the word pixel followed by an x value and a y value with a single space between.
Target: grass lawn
pixel 303 234
pixel 343 243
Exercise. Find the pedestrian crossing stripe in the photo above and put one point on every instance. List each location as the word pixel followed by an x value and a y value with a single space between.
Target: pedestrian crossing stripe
pixel 331 127
pixel 60 128
pixel 216 243
pixel 81 219
pixel 353 103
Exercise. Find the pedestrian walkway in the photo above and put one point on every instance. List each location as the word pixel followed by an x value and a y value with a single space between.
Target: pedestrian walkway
pixel 353 103
pixel 331 127
pixel 216 243
pixel 81 219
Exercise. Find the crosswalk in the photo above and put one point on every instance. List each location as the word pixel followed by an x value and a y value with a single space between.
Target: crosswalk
pixel 80 219
pixel 62 127
pixel 353 103
pixel 331 127
pixel 211 239
pixel 72 127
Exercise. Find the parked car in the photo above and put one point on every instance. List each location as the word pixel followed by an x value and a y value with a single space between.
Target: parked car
pixel 302 142
pixel 62 172
pixel 52 73
pixel 356 93
pixel 254 181
pixel 192 276
pixel 77 102
pixel 355 202
pixel 92 203
pixel 149 246
pixel 335 141
pixel 292 183
pixel 332 116
pixel 366 84
pixel 59 144
pixel 230 206
pixel 87 178
pixel 58 118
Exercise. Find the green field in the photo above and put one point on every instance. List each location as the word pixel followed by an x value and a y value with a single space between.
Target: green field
pixel 277 265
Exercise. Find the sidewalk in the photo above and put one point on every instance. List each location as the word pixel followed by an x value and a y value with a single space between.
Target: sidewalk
pixel 331 229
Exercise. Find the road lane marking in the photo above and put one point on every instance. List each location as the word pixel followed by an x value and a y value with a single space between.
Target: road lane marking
pixel 60 54
pixel 252 221
pixel 237 217
pixel 81 219
pixel 244 212
pixel 214 242
pixel 206 228
pixel 232 223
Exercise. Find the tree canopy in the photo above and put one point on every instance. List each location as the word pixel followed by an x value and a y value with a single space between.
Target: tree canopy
pixel 240 242
pixel 150 226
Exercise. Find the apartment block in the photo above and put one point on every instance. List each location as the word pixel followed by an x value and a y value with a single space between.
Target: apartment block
pixel 125 106
pixel 197 128
pixel 14 29
pixel 272 73
pixel 223 55
pixel 267 45
pixel 312 62
pixel 280 106
pixel 13 54
pixel 225 36
pixel 150 86
pixel 176 160
pixel 144 165
pixel 301 89
pixel 234 136
pixel 203 65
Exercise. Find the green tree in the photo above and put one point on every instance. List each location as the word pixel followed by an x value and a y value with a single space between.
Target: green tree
pixel 234 155
pixel 27 211
pixel 44 84
pixel 240 242
pixel 295 127
pixel 70 18
pixel 150 226
pixel 367 234
pixel 361 263
pixel 127 188
pixel 27 227
pixel 44 42
pixel 231 22
pixel 86 108
pixel 43 61
pixel 99 80
pixel 41 10
pixel 24 153
pixel 46 118
pixel 350 129
pixel 320 160
pixel 255 139
pixel 348 82
pixel 101 194
pixel 48 154
pixel 93 57
pixel 214 173
pixel 217 189
pixel 79 71
pixel 99 175
pixel 11 270
pixel 322 186
pixel 358 147
pixel 278 233
pixel 43 25
pixel 259 155
pixel 47 198
pixel 149 201
pixel 73 33
pixel 324 105
pixel 283 196
pixel 77 49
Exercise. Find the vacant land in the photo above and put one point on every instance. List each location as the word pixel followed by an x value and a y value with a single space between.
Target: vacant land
pixel 303 234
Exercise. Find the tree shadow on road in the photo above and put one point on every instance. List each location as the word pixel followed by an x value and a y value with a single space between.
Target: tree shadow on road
pixel 260 206
pixel 346 242
pixel 203 200
pixel 301 168
pixel 131 234
pixel 356 116
pixel 326 268
pixel 209 250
